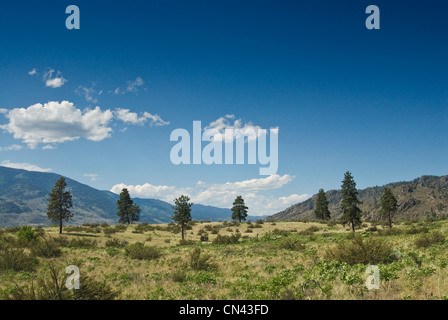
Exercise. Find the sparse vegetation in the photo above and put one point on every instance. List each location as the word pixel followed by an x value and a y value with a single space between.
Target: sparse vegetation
pixel 287 260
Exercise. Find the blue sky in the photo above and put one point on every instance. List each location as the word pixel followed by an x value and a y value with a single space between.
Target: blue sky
pixel 343 97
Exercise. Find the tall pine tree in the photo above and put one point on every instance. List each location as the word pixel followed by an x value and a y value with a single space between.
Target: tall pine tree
pixel 182 212
pixel 128 211
pixel 351 214
pixel 59 203
pixel 389 205
pixel 239 209
pixel 321 210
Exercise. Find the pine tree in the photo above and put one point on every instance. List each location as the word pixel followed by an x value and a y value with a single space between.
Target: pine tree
pixel 182 212
pixel 59 203
pixel 128 211
pixel 321 211
pixel 351 214
pixel 239 209
pixel 389 205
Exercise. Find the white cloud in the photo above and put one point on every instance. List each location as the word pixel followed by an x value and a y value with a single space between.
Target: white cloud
pixel 90 94
pixel 149 191
pixel 91 176
pixel 248 130
pixel 48 147
pixel 32 72
pixel 14 147
pixel 57 122
pixel 223 195
pixel 3 111
pixel 132 87
pixel 54 82
pixel 127 116
pixel 24 166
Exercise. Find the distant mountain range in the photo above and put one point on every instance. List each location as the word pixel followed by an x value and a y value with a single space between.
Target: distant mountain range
pixel 23 202
pixel 423 197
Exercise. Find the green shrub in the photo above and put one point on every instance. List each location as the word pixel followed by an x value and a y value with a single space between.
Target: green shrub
pixel 370 251
pixel 141 252
pixel 81 243
pixel 185 242
pixel 109 230
pixel 309 231
pixel 390 232
pixel 291 244
pixel 16 259
pixel 280 232
pixel 51 286
pixel 62 241
pixel 120 227
pixel 204 237
pixel 178 276
pixel 200 261
pixel 47 249
pixel 112 251
pixel 425 241
pixel 27 234
pixel 116 243
pixel 225 239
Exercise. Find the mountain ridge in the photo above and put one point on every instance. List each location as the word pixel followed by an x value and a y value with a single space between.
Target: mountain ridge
pixel 23 202
pixel 419 198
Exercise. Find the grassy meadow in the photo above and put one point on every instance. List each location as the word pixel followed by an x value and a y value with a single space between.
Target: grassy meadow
pixel 227 260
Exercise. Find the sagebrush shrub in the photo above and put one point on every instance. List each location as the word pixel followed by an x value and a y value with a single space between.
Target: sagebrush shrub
pixel 292 244
pixel 81 243
pixel 141 252
pixel 16 259
pixel 225 239
pixel 425 241
pixel 27 234
pixel 116 243
pixel 46 249
pixel 200 261
pixel 370 251
pixel 51 286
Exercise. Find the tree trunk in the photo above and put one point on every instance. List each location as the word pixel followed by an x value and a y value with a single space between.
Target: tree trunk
pixel 390 221
pixel 182 228
pixel 60 226
pixel 353 226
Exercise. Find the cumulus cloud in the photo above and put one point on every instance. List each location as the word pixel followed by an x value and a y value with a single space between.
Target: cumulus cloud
pixel 32 72
pixel 3 111
pixel 55 81
pixel 223 195
pixel 57 122
pixel 14 147
pixel 24 166
pixel 246 130
pixel 149 191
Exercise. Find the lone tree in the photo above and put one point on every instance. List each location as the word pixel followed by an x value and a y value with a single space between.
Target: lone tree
pixel 321 211
pixel 128 211
pixel 182 212
pixel 59 203
pixel 389 205
pixel 239 209
pixel 351 214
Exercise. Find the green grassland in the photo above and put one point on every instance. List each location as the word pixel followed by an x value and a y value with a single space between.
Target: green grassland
pixel 227 260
